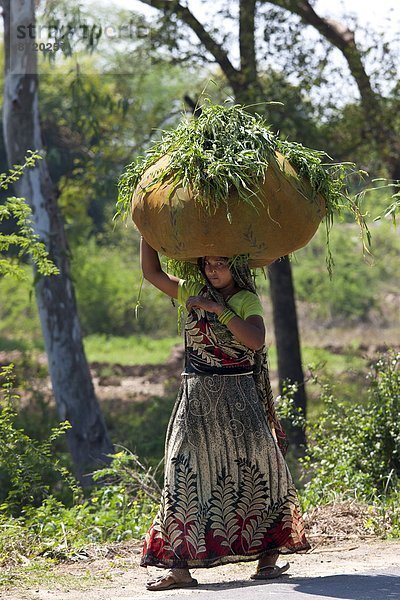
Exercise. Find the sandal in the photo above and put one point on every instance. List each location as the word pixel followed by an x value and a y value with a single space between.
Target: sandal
pixel 170 582
pixel 270 572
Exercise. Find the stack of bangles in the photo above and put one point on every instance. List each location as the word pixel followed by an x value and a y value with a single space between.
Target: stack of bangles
pixel 226 316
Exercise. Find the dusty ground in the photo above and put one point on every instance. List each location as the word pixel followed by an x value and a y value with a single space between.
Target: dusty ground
pixel 340 545
pixel 122 578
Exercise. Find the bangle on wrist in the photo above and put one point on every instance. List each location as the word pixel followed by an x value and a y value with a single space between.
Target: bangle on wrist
pixel 226 316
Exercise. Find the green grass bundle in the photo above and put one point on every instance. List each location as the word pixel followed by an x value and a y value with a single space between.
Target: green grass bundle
pixel 227 149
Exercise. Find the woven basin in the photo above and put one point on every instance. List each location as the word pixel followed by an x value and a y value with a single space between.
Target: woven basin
pixel 285 216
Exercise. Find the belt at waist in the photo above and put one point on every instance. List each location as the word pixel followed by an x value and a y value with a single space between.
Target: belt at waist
pixel 189 370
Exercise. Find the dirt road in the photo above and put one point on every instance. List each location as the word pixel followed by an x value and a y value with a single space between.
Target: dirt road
pixel 359 570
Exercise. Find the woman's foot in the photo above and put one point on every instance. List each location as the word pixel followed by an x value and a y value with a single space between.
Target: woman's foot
pixel 174 578
pixel 268 569
pixel 268 560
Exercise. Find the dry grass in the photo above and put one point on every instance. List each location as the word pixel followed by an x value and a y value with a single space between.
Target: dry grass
pixel 340 521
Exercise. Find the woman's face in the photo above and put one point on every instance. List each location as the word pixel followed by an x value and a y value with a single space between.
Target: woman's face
pixel 217 271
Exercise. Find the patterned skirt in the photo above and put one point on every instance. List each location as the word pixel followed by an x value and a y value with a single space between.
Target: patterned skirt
pixel 228 495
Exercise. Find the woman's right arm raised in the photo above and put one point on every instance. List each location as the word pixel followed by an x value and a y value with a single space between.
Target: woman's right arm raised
pixel 153 272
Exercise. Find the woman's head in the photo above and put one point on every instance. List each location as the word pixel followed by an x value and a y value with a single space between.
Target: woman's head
pixel 220 272
pixel 217 271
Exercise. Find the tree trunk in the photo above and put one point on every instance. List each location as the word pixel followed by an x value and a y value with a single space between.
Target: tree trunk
pixel 287 338
pixel 73 389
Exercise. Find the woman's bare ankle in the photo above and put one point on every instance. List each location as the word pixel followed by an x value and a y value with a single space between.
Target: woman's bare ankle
pixel 269 560
pixel 181 574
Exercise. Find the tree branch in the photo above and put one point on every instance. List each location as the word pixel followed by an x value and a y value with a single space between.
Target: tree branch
pixel 342 38
pixel 216 50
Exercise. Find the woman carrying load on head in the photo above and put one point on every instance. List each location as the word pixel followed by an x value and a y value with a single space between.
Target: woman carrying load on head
pixel 228 495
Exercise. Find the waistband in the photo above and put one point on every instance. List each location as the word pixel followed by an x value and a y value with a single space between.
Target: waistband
pixel 210 374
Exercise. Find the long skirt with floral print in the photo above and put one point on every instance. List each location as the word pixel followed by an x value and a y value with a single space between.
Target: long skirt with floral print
pixel 228 495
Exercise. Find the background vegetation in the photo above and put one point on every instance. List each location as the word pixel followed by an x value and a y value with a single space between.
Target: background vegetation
pixel 94 124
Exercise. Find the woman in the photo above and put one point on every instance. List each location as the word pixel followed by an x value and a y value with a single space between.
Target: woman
pixel 228 495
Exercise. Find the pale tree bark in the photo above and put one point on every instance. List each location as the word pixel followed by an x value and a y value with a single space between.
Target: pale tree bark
pixel 247 87
pixel 73 390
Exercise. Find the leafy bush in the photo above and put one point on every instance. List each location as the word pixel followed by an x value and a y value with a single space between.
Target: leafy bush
pixel 121 507
pixel 35 518
pixel 28 470
pixel 23 240
pixel 114 511
pixel 354 449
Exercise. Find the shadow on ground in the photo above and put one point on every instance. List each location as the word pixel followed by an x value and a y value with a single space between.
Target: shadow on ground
pixel 341 587
pixel 351 587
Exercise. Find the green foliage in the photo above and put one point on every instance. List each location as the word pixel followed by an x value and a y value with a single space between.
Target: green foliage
pixel 224 148
pixel 358 288
pixel 35 519
pixel 344 133
pixel 332 181
pixel 24 241
pixel 107 285
pixel 121 507
pixel 84 130
pixel 354 449
pixel 107 280
pixel 393 209
pixel 96 121
pixel 350 294
pixel 28 470
pixel 386 520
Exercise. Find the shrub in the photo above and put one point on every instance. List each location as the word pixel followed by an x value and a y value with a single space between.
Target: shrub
pixel 354 449
pixel 36 518
pixel 120 507
pixel 28 470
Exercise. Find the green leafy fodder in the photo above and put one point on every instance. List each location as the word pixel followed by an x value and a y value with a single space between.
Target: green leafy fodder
pixel 225 148
pixel 228 149
pixel 333 182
